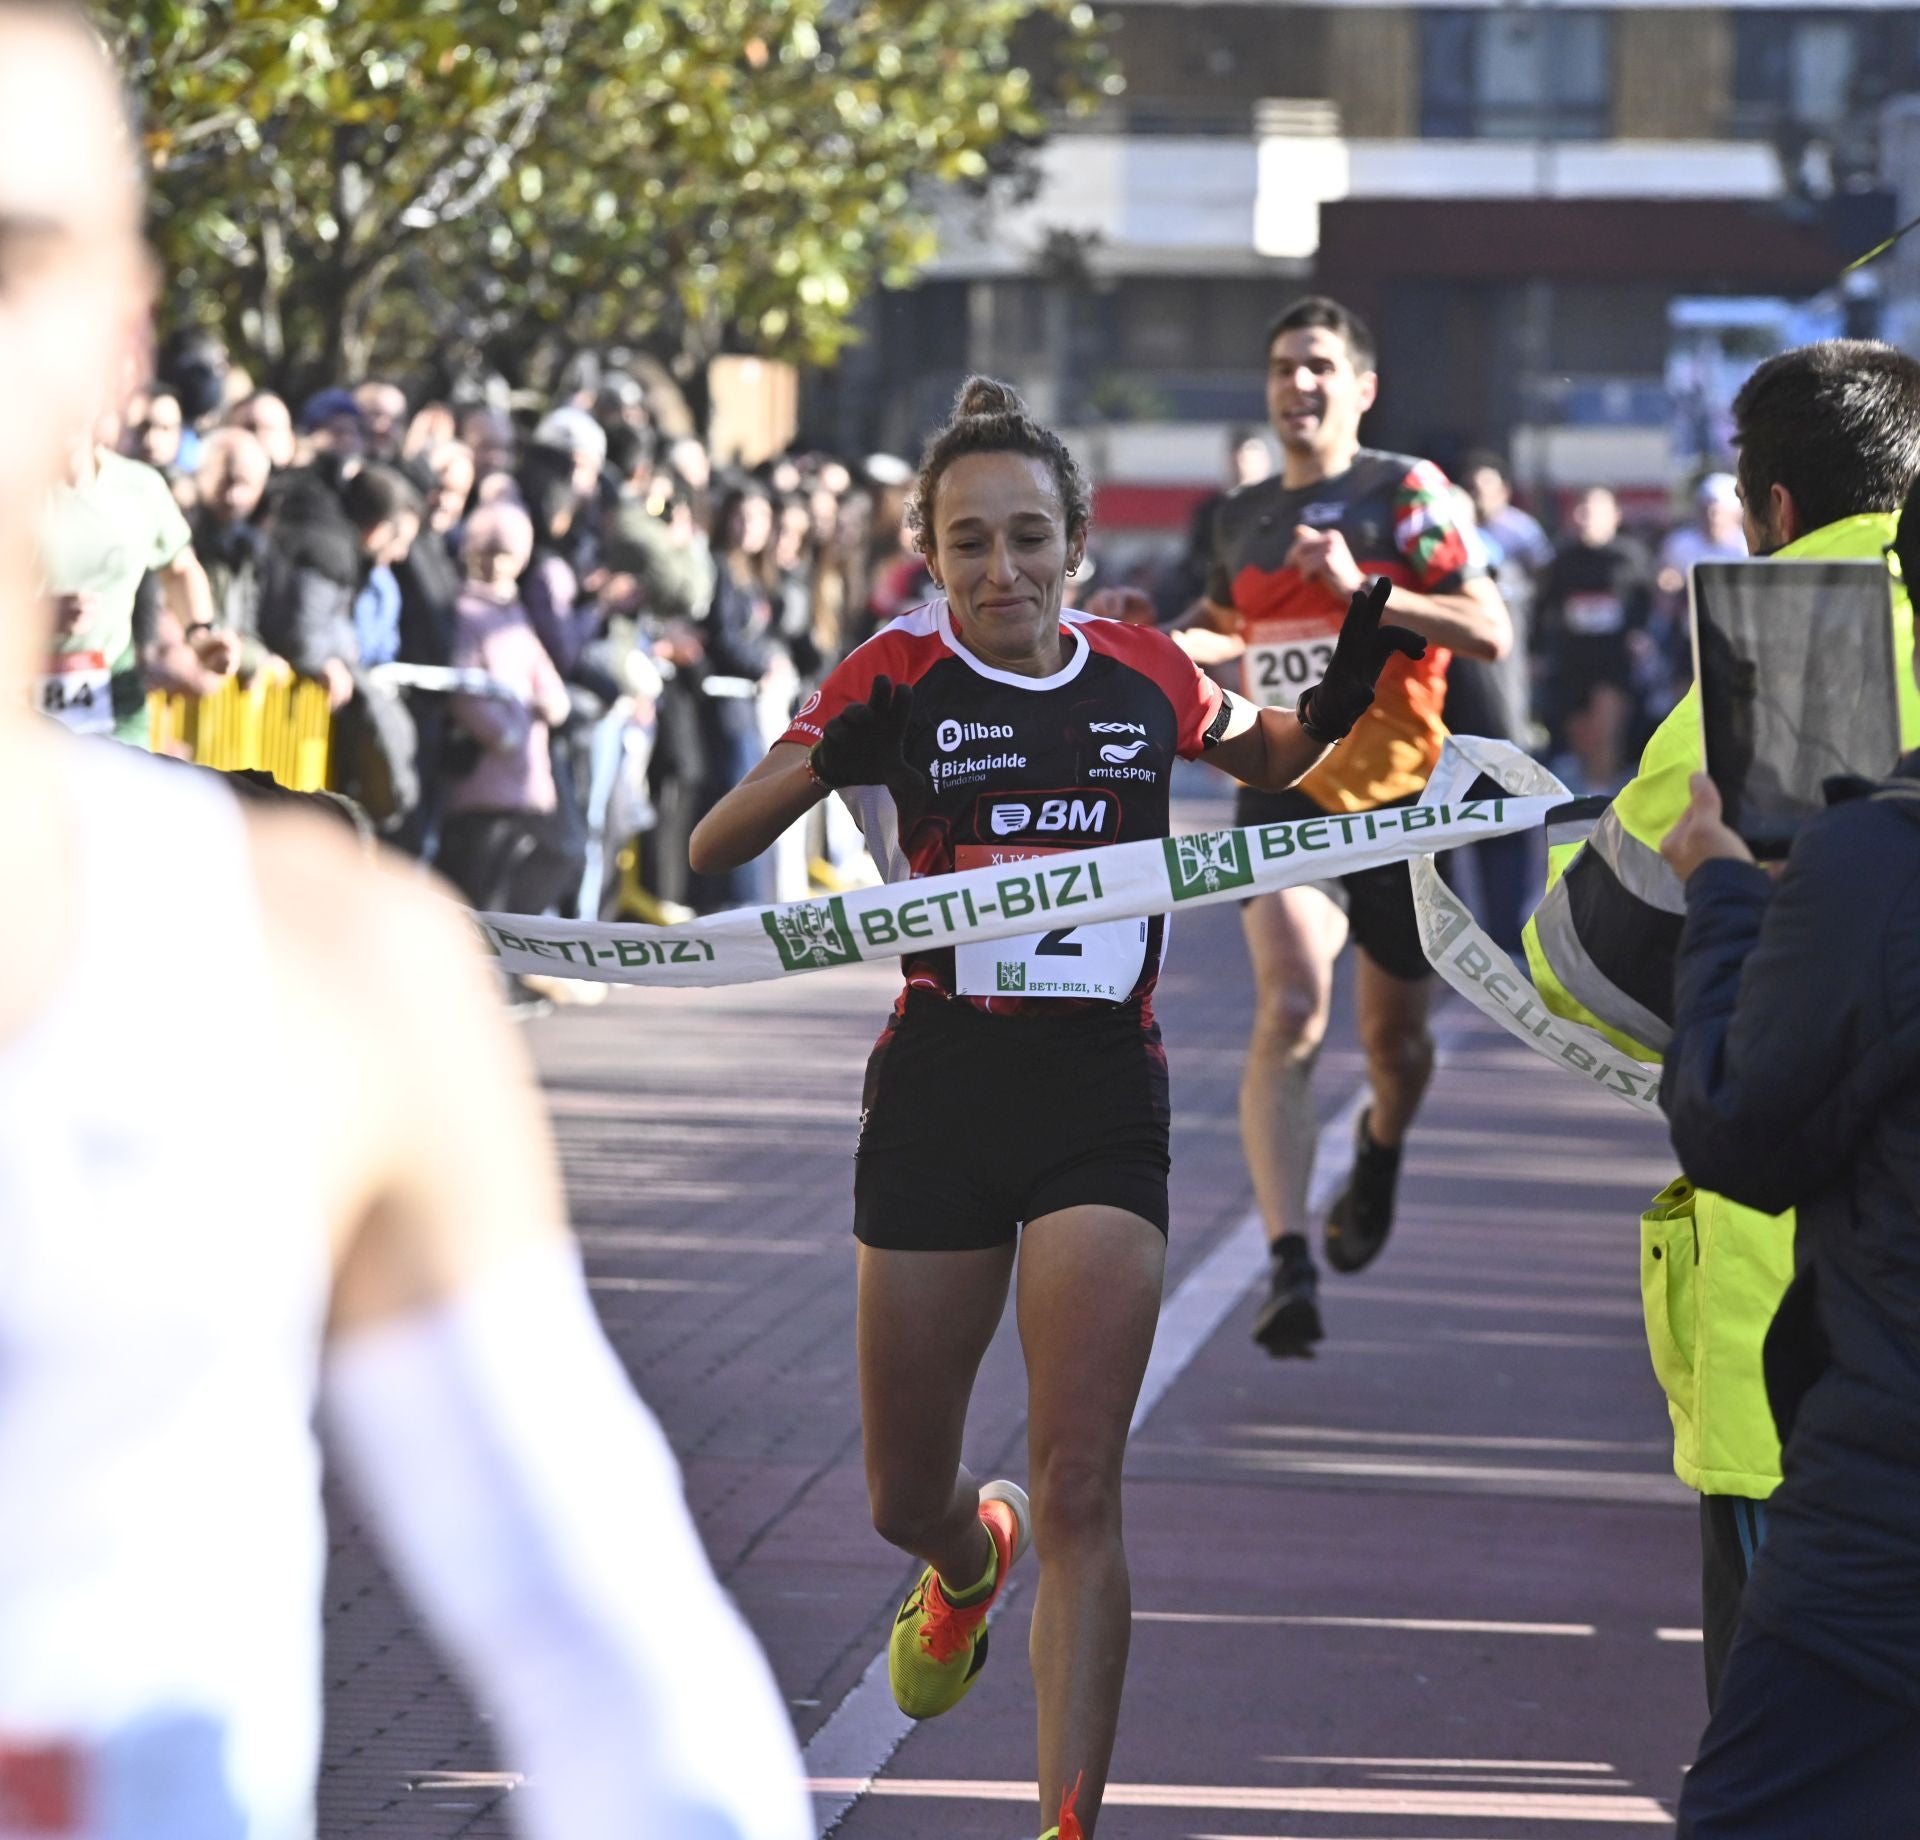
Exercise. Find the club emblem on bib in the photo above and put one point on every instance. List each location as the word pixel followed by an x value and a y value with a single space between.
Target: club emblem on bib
pixel 811 934
pixel 1206 863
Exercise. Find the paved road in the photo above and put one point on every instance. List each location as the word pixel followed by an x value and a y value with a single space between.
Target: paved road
pixel 1438 1584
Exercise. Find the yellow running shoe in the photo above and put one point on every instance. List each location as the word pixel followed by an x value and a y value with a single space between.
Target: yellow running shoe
pixel 938 1648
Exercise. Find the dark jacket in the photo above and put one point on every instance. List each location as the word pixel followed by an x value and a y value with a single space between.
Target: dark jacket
pixel 429 581
pixel 311 574
pixel 1793 1080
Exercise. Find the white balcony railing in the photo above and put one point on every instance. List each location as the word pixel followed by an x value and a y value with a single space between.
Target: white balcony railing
pixel 1251 202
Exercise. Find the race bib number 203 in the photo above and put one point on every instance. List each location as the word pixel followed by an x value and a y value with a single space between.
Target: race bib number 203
pixel 1284 660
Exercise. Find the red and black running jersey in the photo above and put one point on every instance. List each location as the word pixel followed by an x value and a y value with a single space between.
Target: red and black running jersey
pixel 1397 515
pixel 1019 766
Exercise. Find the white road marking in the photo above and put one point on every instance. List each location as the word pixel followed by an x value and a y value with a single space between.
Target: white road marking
pixel 1327 1434
pixel 1679 1635
pixel 1526 1779
pixel 1655 1487
pixel 1452 1763
pixel 657 1284
pixel 1421 1625
pixel 647 1239
pixel 1625 1810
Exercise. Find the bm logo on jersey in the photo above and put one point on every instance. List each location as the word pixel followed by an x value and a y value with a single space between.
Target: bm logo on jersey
pixel 1067 817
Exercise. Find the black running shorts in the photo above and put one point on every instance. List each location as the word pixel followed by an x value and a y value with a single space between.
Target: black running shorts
pixel 1378 902
pixel 973 1124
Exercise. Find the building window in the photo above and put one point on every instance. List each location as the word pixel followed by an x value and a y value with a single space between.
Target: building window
pixel 1802 70
pixel 1500 74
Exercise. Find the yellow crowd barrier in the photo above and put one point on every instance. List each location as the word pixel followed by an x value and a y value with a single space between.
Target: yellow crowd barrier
pixel 276 721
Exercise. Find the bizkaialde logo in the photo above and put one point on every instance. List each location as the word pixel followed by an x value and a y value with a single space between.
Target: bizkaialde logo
pixel 971 766
pixel 952 735
pixel 1118 753
pixel 1117 728
pixel 811 934
pixel 1206 863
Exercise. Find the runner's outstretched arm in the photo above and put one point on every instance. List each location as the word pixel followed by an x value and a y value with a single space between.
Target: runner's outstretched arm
pixel 522 1492
pixel 1266 748
pixel 779 791
pixel 864 745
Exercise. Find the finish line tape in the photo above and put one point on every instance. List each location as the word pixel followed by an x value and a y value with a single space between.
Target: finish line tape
pixel 1460 951
pixel 1120 882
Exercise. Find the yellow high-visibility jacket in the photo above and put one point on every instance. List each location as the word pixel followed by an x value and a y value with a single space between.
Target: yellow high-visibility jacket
pixel 1601 948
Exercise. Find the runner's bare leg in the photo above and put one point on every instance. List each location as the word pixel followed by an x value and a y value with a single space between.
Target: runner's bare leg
pixel 1398 1045
pixel 1293 939
pixel 1089 1299
pixel 925 1319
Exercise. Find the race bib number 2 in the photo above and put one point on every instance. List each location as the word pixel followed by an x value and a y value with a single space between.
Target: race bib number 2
pixel 1283 661
pixel 77 692
pixel 1101 961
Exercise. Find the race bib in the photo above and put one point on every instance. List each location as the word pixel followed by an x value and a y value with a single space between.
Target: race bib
pixel 40 1790
pixel 77 692
pixel 1102 961
pixel 1282 661
pixel 1594 616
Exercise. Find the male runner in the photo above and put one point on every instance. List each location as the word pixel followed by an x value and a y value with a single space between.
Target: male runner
pixel 364 1209
pixel 1288 553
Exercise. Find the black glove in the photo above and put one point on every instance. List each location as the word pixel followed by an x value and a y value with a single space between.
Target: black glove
pixel 1329 709
pixel 864 745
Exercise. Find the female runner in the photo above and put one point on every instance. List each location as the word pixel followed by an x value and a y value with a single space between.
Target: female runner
pixel 1020 1082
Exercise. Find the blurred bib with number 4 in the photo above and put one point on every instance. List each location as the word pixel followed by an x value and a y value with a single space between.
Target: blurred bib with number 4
pixel 77 692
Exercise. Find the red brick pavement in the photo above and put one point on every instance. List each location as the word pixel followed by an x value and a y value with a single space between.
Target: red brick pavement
pixel 707 1138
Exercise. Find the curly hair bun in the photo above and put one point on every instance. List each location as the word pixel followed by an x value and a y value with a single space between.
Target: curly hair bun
pixel 989 418
pixel 987 396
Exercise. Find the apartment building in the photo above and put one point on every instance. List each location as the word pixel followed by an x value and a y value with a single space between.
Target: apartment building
pixel 1570 225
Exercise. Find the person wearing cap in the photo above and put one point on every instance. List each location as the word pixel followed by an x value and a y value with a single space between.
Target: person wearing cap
pixel 1715 534
pixel 1664 667
pixel 575 433
pixel 331 423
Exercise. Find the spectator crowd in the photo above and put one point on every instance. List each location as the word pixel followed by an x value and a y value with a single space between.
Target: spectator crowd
pixel 549 640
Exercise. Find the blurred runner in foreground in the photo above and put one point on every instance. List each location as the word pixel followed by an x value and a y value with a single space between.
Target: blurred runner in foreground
pixel 326 1175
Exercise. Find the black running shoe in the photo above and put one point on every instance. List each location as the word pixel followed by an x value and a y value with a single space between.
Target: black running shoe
pixel 1362 1215
pixel 1289 1320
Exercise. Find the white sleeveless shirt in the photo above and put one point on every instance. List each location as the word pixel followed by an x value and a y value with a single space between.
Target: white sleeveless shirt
pixel 163 1290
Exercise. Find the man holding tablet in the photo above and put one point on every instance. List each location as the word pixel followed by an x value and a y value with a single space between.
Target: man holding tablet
pixel 1829 440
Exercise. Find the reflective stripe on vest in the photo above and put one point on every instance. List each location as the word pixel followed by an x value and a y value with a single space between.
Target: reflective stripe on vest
pixel 1628 948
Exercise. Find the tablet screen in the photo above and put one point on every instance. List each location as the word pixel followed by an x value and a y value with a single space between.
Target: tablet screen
pixel 1795 666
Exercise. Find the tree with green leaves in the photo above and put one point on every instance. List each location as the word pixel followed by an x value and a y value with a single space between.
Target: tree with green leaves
pixel 344 184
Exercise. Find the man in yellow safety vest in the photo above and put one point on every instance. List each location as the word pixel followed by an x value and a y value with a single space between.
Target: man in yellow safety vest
pixel 1829 440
